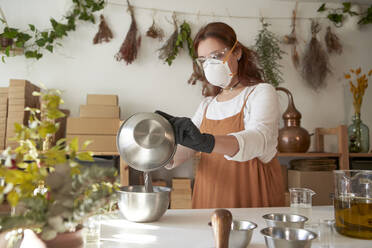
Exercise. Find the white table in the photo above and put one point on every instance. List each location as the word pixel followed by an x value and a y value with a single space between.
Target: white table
pixel 188 228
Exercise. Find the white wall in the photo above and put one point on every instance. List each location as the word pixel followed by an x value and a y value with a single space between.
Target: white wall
pixel 79 67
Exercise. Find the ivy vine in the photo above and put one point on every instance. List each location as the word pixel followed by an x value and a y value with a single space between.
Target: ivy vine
pixel 35 42
pixel 337 15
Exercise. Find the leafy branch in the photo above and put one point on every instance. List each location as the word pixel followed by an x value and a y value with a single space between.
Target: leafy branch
pixel 337 15
pixel 35 41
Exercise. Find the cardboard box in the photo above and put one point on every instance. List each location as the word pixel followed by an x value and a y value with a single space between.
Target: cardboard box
pixel 181 204
pixel 16 108
pixel 4 100
pixel 3 107
pixel 3 114
pixel 181 183
pixel 3 90
pixel 176 195
pixel 19 83
pixel 100 143
pixel 95 99
pixel 99 111
pixel 321 182
pixel 94 126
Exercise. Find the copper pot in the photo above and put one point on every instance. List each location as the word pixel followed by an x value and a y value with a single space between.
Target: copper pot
pixel 292 137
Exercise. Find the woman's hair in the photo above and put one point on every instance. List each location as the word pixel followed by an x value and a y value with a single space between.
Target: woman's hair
pixel 248 71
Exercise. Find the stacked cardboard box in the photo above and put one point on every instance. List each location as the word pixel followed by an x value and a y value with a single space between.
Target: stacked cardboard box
pixel 321 182
pixel 98 122
pixel 19 97
pixel 3 115
pixel 181 193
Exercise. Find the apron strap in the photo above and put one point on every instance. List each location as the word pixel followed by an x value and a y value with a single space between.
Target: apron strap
pixel 246 99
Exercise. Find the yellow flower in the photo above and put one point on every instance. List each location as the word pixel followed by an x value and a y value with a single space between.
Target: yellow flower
pixel 370 73
pixel 347 76
pixel 358 71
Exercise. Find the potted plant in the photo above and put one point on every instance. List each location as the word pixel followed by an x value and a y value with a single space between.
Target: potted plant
pixel 358 132
pixel 48 190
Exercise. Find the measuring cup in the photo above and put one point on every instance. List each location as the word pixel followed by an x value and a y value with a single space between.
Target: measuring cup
pixel 301 201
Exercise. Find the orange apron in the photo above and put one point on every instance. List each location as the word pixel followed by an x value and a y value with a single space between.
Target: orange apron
pixel 221 183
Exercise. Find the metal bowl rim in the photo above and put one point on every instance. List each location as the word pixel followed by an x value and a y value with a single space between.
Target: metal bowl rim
pixel 303 217
pixel 124 157
pixel 163 189
pixel 289 229
pixel 245 230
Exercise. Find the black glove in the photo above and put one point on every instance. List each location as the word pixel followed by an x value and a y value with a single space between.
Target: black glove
pixel 187 134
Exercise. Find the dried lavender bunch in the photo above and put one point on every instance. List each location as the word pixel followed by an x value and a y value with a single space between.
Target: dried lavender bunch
pixel 129 48
pixel 333 42
pixel 104 32
pixel 316 64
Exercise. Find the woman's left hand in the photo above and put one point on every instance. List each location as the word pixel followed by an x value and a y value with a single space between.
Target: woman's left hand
pixel 189 135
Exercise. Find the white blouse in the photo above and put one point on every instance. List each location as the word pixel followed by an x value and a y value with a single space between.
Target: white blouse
pixel 261 121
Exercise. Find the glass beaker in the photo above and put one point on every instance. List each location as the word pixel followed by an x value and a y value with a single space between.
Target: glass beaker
pixel 353 203
pixel 301 201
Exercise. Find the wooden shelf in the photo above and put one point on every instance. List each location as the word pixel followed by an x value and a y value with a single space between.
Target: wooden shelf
pixel 360 155
pixel 310 154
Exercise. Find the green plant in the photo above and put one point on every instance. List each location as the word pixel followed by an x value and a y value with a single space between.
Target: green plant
pixel 35 41
pixel 269 53
pixel 45 184
pixel 183 36
pixel 337 15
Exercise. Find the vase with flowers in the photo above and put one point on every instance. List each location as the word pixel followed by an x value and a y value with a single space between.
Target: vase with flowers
pixel 49 191
pixel 358 132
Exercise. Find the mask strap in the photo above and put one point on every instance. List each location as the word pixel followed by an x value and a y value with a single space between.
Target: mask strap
pixel 231 50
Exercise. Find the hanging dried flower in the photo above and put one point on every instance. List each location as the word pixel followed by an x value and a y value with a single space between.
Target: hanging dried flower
pixel 295 57
pixel 169 50
pixel 333 42
pixel 129 48
pixel 155 32
pixel 104 32
pixel 315 62
pixel 291 39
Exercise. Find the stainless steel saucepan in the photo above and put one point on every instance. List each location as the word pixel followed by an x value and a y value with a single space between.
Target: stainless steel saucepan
pixel 146 142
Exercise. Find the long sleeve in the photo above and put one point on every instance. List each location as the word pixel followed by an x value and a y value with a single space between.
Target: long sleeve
pixel 259 139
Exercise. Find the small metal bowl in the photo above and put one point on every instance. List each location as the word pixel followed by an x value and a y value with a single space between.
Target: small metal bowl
pixel 137 205
pixel 241 233
pixel 279 237
pixel 285 220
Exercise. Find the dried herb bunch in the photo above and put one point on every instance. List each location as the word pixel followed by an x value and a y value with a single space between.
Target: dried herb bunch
pixel 169 50
pixel 269 53
pixel 291 39
pixel 333 42
pixel 155 32
pixel 104 33
pixel 316 65
pixel 359 88
pixel 129 48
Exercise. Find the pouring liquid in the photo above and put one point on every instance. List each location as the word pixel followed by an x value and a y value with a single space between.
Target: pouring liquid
pixel 148 182
pixel 353 216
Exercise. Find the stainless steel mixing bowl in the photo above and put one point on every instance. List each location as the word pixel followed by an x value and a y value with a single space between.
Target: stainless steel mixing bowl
pixel 146 141
pixel 279 237
pixel 285 220
pixel 140 206
pixel 240 233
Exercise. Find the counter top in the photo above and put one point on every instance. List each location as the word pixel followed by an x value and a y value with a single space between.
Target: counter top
pixel 188 228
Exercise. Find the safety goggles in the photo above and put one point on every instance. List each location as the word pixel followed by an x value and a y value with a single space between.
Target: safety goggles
pixel 221 55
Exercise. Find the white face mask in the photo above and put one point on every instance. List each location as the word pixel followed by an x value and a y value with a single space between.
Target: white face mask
pixel 217 72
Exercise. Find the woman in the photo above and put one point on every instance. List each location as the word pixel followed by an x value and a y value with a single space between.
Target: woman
pixel 238 128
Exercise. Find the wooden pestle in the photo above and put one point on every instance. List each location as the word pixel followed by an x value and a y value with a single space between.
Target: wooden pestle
pixel 221 222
